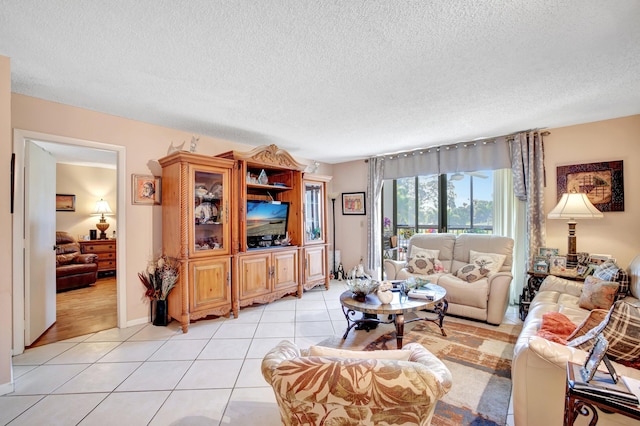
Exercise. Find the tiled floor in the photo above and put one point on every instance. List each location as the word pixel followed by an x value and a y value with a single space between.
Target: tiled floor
pixel 157 375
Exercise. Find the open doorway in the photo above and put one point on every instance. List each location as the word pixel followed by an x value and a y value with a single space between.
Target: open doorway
pixel 84 155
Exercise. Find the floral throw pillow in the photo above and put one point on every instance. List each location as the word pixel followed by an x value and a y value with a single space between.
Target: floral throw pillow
pixel 597 293
pixel 471 273
pixel 423 261
pixel 490 261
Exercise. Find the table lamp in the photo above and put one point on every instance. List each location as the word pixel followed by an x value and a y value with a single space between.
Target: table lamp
pixel 572 206
pixel 102 208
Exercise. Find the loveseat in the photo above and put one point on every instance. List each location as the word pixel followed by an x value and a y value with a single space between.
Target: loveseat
pixel 334 386
pixel 538 369
pixel 73 269
pixel 483 291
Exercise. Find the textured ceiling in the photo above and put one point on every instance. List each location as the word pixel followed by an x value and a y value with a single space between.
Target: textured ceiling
pixel 331 80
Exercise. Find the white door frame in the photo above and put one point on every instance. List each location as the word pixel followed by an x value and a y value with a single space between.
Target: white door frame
pixel 19 137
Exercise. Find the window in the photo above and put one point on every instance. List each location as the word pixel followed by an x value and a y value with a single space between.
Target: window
pixel 455 203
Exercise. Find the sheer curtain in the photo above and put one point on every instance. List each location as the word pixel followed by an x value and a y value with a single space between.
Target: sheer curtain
pixel 529 180
pixel 374 225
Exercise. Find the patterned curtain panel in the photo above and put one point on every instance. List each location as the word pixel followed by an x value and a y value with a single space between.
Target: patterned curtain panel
pixel 529 180
pixel 374 225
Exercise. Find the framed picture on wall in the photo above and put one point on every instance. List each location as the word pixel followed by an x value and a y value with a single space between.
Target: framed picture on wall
pixel 353 203
pixel 65 203
pixel 602 182
pixel 146 189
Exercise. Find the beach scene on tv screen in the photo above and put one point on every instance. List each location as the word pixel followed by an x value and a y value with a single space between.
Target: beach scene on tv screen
pixel 266 219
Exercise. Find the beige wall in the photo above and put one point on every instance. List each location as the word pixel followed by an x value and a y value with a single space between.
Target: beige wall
pixel 351 230
pixel 5 228
pixel 617 233
pixel 88 184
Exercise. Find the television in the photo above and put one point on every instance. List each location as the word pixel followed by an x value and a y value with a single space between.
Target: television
pixel 266 222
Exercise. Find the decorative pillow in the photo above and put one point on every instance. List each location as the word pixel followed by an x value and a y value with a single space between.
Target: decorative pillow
pixel 556 327
pixel 424 252
pixel 621 328
pixel 609 271
pixel 65 259
pixel 395 354
pixel 594 319
pixel 491 261
pixel 597 294
pixel 471 273
pixel 421 265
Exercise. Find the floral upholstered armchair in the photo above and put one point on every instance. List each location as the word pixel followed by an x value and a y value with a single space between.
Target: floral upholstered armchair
pixel 331 386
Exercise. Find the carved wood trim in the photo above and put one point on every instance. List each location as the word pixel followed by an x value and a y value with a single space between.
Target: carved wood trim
pixel 270 155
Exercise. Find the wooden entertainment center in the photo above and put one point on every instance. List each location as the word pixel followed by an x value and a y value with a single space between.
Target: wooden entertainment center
pixel 225 262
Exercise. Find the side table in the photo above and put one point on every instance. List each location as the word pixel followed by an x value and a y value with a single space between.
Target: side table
pixel 106 251
pixel 531 288
pixel 578 403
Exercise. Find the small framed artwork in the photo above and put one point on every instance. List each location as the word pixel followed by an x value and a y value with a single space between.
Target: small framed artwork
pixel 547 252
pixel 353 203
pixel 146 189
pixel 65 203
pixel 541 267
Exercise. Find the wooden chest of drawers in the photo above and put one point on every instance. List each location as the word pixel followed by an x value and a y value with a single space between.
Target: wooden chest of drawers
pixel 106 251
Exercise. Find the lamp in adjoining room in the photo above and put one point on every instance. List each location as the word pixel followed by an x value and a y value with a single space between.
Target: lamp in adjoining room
pixel 572 206
pixel 102 208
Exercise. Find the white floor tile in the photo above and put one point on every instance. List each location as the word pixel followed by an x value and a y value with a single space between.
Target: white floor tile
pixel 260 347
pixel 133 351
pixel 250 406
pixel 126 408
pixel 250 315
pixel 320 328
pixel 84 353
pixel 274 330
pixel 177 350
pixel 157 375
pixel 193 407
pixel 204 329
pixel 278 316
pixel 99 378
pixel 312 315
pixel 60 409
pixel 286 304
pixel 211 374
pixel 46 378
pixel 250 375
pixel 225 349
pixel 309 305
pixel 115 334
pixel 236 330
pixel 41 354
pixel 19 370
pixel 152 332
pixel 12 406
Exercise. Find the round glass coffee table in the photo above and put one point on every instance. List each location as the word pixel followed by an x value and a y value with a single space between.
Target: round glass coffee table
pixel 395 311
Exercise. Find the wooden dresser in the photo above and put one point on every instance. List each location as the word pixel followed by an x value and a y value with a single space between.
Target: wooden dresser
pixel 106 251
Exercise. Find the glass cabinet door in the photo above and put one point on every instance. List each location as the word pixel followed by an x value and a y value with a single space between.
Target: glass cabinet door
pixel 209 211
pixel 313 212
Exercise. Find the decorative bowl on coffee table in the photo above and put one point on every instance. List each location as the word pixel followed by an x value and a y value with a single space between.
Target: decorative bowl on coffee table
pixel 360 287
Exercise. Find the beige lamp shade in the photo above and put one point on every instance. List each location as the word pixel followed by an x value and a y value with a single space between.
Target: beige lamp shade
pixel 102 208
pixel 574 206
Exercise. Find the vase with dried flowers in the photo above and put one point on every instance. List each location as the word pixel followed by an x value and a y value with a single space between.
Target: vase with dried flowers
pixel 159 279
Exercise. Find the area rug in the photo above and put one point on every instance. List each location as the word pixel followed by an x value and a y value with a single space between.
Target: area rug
pixel 478 356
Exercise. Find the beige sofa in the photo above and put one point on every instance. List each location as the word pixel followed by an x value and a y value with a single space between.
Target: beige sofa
pixel 485 299
pixel 324 386
pixel 538 370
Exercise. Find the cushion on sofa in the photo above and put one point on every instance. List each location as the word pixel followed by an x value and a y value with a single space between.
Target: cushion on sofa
pixel 609 271
pixel 491 261
pixel 595 317
pixel 621 328
pixel 421 265
pixel 461 293
pixel 598 294
pixel 471 273
pixel 395 354
pixel 65 259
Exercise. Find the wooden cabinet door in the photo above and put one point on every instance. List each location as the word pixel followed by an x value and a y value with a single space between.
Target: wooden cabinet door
pixel 209 283
pixel 314 263
pixel 285 269
pixel 254 275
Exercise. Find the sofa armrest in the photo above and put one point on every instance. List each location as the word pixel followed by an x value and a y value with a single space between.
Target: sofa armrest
pixel 561 285
pixel 392 268
pixel 421 355
pixel 86 258
pixel 499 284
pixel 284 351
